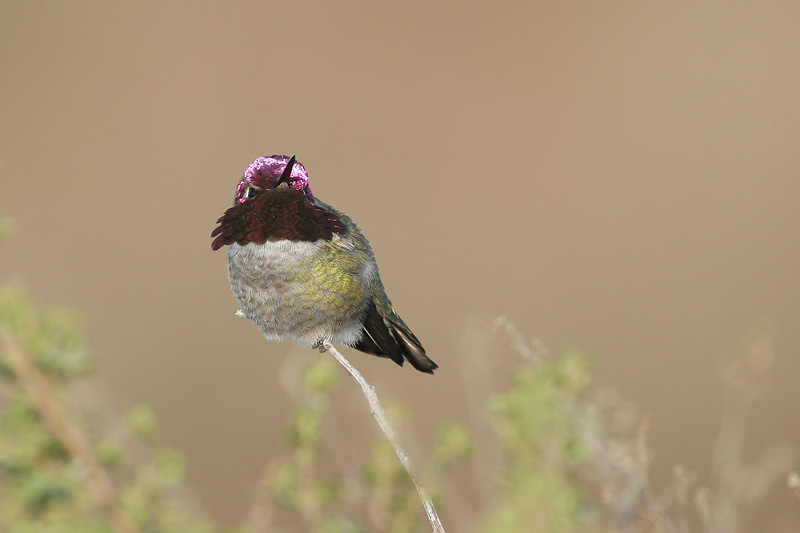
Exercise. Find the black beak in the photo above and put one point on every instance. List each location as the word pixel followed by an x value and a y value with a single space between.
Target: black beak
pixel 287 172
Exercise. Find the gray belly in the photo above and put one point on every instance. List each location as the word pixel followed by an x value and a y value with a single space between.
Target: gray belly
pixel 274 291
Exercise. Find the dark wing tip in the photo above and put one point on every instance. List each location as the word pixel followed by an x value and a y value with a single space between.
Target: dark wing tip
pixel 385 338
pixel 413 352
pixel 377 339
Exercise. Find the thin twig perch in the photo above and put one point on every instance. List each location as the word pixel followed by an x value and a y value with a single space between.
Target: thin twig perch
pixel 380 417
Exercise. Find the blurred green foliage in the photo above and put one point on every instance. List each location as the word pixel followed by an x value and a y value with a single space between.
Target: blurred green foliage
pixel 535 491
pixel 43 486
pixel 535 426
pixel 52 338
pixel 571 461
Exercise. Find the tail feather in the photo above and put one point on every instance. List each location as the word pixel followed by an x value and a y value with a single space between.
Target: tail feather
pixel 392 339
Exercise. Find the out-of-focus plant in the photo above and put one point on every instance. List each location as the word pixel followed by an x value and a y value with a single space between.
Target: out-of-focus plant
pixel 58 470
pixel 605 457
pixel 535 424
pixel 303 491
pixel 546 453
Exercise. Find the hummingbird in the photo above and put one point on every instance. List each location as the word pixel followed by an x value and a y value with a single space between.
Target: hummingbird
pixel 303 271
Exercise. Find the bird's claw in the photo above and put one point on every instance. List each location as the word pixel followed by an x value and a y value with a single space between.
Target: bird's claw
pixel 320 345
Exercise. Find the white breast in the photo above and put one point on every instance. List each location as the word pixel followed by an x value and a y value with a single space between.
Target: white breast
pixel 264 278
pixel 259 260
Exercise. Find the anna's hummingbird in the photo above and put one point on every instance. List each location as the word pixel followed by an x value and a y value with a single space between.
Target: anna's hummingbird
pixel 302 271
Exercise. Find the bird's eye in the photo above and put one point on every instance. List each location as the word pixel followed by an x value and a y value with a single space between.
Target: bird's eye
pixel 251 192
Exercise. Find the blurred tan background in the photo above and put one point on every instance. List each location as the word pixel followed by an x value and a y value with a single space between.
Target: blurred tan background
pixel 621 177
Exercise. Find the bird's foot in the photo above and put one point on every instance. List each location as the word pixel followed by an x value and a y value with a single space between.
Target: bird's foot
pixel 320 345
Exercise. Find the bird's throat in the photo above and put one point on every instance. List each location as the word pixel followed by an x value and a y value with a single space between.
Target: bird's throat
pixel 276 214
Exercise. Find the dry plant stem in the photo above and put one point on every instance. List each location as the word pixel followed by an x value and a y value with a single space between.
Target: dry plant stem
pixel 56 419
pixel 533 354
pixel 635 472
pixel 380 417
pixel 659 518
pixel 476 375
